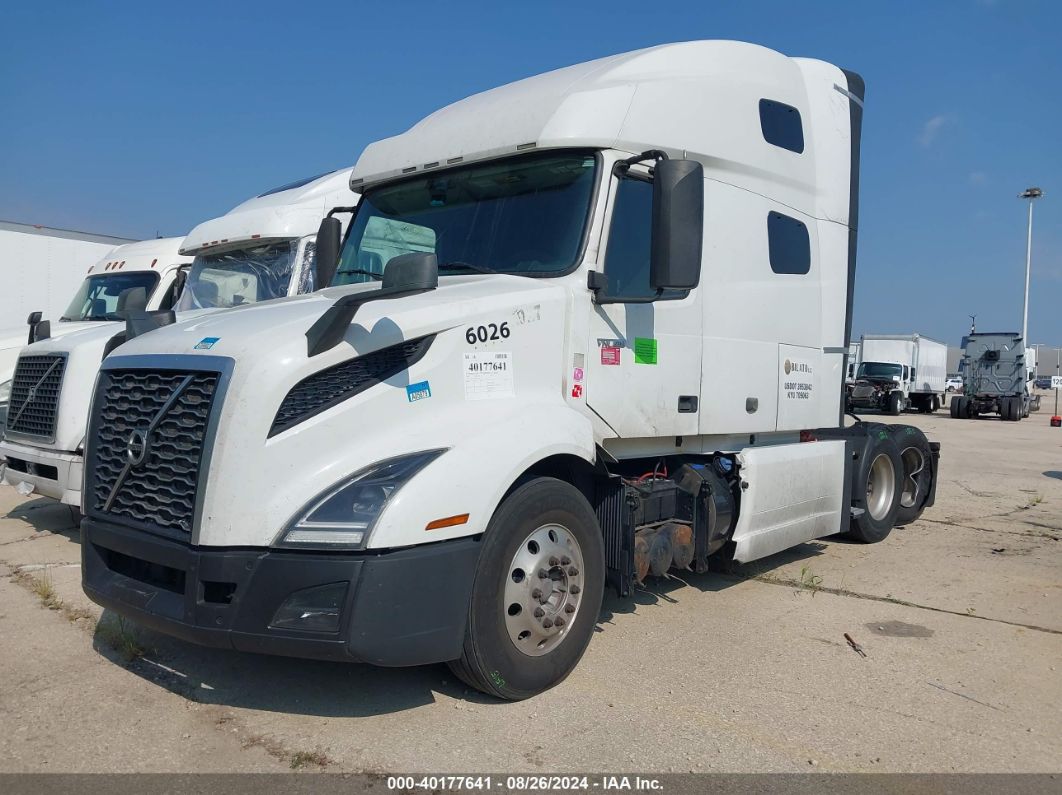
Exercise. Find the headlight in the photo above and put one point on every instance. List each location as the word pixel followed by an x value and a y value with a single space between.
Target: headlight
pixel 345 514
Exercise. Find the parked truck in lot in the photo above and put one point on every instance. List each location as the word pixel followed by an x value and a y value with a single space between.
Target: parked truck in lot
pixel 133 276
pixel 995 377
pixel 590 327
pixel 899 371
pixel 260 250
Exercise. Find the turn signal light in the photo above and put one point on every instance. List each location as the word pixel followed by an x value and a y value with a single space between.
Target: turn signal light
pixel 449 521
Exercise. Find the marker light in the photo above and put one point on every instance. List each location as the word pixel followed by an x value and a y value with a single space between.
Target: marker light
pixel 449 521
pixel 343 516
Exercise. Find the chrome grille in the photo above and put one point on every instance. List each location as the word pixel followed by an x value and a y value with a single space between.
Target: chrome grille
pixel 150 432
pixel 34 401
pixel 335 384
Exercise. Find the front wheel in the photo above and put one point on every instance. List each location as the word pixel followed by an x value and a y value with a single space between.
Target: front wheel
pixel 895 403
pixel 537 592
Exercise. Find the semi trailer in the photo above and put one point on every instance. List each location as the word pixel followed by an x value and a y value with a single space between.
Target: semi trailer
pixel 995 377
pixel 130 277
pixel 899 371
pixel 261 250
pixel 587 328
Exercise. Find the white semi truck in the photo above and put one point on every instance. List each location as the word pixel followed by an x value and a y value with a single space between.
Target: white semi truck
pixel 899 371
pixel 260 250
pixel 593 327
pixel 131 277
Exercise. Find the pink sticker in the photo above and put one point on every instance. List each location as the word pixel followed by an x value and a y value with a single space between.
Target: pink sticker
pixel 610 355
pixel 577 374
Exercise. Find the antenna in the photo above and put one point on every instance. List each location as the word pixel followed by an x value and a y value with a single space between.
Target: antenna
pixel 973 323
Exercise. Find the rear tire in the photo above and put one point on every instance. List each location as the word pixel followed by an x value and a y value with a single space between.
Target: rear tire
pixel 526 632
pixel 933 404
pixel 876 490
pixel 956 407
pixel 917 471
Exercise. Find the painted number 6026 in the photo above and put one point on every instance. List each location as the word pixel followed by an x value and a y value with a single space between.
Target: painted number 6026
pixel 492 331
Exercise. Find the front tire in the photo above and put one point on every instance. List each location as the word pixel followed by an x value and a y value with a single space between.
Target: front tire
pixel 532 614
pixel 895 403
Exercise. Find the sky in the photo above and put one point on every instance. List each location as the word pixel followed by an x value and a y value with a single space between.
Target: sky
pixel 137 119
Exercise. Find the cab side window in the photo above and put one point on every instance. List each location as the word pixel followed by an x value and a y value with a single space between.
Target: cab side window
pixel 629 245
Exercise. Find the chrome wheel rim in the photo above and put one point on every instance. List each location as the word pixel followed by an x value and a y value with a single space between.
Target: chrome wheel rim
pixel 881 486
pixel 543 590
pixel 914 463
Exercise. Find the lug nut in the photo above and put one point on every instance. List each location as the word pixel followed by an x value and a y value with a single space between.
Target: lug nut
pixel 560 621
pixel 554 561
pixel 573 590
pixel 539 612
pixel 536 594
pixel 547 623
pixel 569 608
pixel 573 571
pixel 542 574
pixel 565 560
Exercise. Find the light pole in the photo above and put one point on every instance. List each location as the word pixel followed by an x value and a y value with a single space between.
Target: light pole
pixel 1032 194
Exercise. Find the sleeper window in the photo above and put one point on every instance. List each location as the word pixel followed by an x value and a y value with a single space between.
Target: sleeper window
pixel 780 124
pixel 789 245
pixel 629 247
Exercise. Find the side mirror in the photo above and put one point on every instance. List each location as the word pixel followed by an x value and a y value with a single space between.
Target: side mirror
pixel 326 257
pixel 140 322
pixel 32 321
pixel 416 271
pixel 678 225
pixel 42 331
pixel 180 279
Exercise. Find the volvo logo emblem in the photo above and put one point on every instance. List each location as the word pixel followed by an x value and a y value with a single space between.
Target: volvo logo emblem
pixel 136 448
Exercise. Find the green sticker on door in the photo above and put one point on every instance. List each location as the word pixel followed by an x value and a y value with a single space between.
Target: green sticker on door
pixel 644 350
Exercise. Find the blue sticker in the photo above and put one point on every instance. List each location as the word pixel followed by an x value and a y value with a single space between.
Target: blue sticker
pixel 206 343
pixel 419 391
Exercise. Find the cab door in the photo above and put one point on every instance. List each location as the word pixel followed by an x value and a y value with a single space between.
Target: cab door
pixel 643 369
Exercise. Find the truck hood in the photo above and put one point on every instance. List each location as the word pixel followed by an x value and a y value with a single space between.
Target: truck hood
pixel 263 349
pixel 278 328
pixel 83 348
pixel 13 340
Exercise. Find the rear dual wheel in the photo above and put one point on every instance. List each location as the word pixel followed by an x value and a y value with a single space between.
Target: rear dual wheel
pixel 537 592
pixel 877 489
pixel 916 473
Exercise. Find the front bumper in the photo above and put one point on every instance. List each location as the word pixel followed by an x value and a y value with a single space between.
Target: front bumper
pixel 50 472
pixel 402 607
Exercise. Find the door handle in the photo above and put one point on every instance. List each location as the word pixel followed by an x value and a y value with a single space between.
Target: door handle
pixel 687 404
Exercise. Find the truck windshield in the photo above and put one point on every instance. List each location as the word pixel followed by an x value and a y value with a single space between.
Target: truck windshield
pixel 100 297
pixel 243 276
pixel 879 370
pixel 523 215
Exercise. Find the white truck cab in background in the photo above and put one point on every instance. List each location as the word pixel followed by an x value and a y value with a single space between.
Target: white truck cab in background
pixel 262 249
pixel 899 371
pixel 587 327
pixel 143 275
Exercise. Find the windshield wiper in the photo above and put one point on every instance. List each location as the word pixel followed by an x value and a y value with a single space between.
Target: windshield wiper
pixel 362 272
pixel 466 266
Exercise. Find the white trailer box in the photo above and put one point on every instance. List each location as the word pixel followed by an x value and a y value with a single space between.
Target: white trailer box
pixel 900 371
pixel 41 267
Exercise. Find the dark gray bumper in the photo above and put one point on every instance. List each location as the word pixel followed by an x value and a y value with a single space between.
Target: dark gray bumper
pixel 402 607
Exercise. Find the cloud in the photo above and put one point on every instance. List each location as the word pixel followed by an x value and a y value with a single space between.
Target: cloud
pixel 978 178
pixel 931 128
